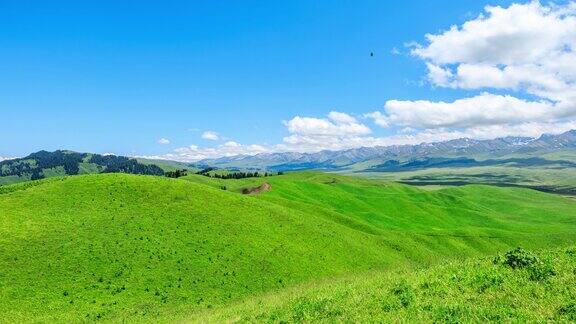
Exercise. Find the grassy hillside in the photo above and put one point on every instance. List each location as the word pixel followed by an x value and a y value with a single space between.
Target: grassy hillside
pixel 477 290
pixel 552 178
pixel 168 165
pixel 476 212
pixel 45 164
pixel 116 246
pixel 546 170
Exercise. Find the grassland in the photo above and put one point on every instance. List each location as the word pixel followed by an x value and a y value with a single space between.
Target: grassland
pixel 549 170
pixel 476 290
pixel 125 247
pixel 550 179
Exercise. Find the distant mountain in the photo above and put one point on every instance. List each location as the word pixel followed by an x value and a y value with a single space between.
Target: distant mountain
pixel 45 164
pixel 374 156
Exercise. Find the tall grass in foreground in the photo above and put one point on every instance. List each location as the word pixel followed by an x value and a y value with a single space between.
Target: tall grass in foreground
pixel 517 286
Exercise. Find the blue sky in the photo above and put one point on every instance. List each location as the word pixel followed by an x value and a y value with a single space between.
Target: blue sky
pixel 105 76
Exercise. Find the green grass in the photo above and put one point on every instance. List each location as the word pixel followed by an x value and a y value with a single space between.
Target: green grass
pixel 167 165
pixel 115 246
pixel 476 290
pixel 553 178
pixel 13 179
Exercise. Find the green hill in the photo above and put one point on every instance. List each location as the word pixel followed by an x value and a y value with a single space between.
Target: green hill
pixel 477 291
pixel 117 246
pixel 45 164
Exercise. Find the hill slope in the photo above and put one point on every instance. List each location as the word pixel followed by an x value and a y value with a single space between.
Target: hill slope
pixel 476 290
pixel 45 164
pixel 116 246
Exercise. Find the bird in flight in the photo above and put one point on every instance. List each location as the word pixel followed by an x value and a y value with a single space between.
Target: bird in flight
pixel 371 54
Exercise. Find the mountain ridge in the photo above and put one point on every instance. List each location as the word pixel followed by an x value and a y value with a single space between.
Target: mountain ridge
pixel 327 159
pixel 44 164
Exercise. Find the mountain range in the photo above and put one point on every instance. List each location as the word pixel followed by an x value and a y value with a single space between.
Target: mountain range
pixel 548 151
pixel 368 157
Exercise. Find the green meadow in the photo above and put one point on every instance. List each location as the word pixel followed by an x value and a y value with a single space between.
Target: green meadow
pixel 118 247
pixel 551 179
pixel 476 290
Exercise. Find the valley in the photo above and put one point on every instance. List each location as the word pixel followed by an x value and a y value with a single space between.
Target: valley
pixel 132 247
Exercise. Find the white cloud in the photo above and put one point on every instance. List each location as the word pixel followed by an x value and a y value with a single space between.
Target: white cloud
pixel 379 118
pixel 338 130
pixel 484 109
pixel 210 135
pixel 439 76
pixel 337 124
pixel 526 47
pixel 6 158
pixel 341 118
pixel 519 34
pixel 163 141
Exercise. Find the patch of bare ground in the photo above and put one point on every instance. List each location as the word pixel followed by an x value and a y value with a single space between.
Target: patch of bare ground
pixel 256 190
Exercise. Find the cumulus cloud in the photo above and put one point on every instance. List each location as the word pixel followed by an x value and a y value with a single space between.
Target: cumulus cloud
pixel 519 34
pixel 439 76
pixel 379 118
pixel 163 141
pixel 210 135
pixel 527 50
pixel 526 47
pixel 484 109
pixel 336 131
pixel 336 124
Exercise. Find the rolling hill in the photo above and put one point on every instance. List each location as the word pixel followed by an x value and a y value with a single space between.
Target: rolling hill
pixel 476 290
pixel 45 164
pixel 128 247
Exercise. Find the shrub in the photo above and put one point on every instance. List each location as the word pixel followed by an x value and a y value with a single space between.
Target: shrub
pixel 520 258
pixel 541 271
pixel 538 270
pixel 568 311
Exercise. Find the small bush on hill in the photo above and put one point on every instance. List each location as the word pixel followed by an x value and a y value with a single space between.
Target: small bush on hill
pixel 568 311
pixel 541 271
pixel 520 258
pixel 538 270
